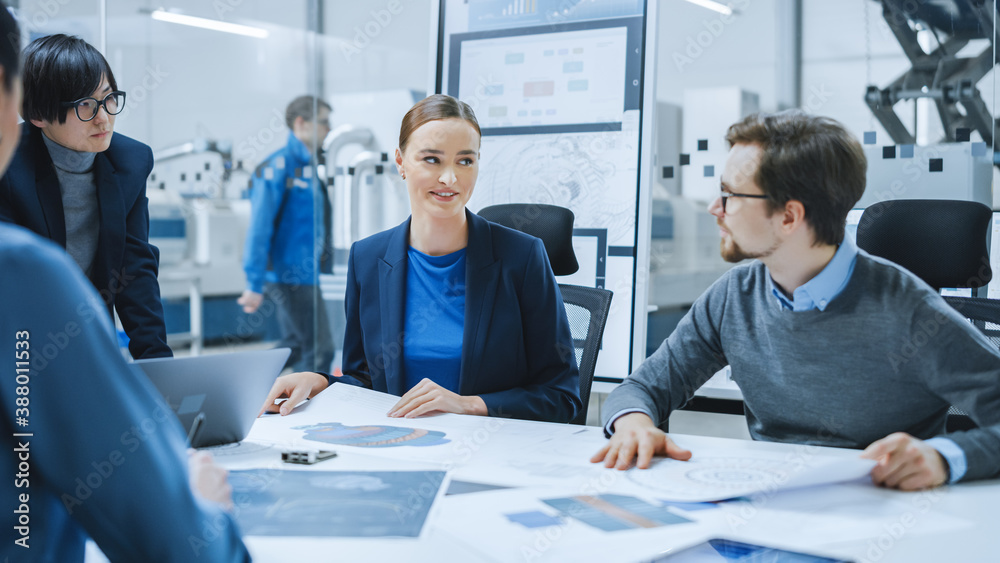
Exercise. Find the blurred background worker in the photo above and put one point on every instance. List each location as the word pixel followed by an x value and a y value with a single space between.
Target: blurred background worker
pixel 285 244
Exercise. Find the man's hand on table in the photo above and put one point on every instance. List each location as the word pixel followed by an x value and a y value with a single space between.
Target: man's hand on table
pixel 637 438
pixel 906 463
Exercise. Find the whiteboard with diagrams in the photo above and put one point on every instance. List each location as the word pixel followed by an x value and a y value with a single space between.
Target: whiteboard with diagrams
pixel 558 89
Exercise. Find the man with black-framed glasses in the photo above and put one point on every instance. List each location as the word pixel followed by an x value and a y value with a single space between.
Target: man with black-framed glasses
pixel 77 182
pixel 813 327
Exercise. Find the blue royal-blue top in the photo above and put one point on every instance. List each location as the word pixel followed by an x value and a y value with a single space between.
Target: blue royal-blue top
pixel 434 318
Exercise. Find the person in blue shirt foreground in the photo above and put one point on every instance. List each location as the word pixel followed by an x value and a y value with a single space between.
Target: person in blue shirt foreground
pixel 90 446
pixel 817 332
pixel 452 312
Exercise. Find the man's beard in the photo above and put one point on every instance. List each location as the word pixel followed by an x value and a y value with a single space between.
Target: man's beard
pixel 733 252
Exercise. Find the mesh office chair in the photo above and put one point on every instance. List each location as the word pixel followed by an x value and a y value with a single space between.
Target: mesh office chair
pixel 586 307
pixel 943 242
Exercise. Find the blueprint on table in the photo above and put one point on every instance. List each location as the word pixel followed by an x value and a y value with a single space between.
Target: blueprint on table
pixel 334 503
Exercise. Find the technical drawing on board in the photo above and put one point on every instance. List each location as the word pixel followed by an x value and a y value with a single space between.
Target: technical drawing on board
pixel 558 89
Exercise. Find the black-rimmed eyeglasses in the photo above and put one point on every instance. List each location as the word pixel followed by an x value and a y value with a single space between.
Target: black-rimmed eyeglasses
pixel 87 108
pixel 724 195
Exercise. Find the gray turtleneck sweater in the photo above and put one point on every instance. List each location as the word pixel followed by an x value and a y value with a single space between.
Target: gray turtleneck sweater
pixel 75 171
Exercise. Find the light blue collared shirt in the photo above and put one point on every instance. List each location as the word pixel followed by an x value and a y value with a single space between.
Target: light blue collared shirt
pixel 817 293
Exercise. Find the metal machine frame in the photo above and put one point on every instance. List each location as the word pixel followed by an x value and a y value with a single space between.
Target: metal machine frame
pixel 950 81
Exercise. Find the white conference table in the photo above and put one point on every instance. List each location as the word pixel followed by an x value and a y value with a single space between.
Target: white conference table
pixel 854 520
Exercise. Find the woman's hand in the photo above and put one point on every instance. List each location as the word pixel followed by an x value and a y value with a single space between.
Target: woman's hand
pixel 427 397
pixel 297 387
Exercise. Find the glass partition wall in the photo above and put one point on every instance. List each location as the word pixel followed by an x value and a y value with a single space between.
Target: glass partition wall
pixel 210 87
pixel 209 83
pixel 913 80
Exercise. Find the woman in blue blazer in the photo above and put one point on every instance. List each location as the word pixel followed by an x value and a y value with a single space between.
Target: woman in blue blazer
pixel 452 312
pixel 78 183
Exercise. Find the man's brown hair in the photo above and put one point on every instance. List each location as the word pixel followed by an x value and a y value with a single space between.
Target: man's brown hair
pixel 807 158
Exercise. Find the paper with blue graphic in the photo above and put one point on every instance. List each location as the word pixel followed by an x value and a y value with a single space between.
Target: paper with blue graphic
pixel 334 503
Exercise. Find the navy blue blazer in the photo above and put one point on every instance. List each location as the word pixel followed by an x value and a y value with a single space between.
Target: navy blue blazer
pixel 125 265
pixel 517 348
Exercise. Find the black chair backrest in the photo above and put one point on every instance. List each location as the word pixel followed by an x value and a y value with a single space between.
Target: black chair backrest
pixel 552 224
pixel 587 309
pixel 943 242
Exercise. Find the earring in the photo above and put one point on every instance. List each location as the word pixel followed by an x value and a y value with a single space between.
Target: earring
pixel 403 174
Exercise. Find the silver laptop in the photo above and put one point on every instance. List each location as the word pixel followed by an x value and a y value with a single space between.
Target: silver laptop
pixel 219 394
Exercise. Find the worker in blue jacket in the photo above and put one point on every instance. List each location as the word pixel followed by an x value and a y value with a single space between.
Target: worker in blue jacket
pixel 91 448
pixel 286 240
pixel 77 182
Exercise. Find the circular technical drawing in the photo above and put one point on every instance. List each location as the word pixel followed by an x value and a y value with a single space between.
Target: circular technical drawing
pixel 727 477
pixel 581 171
pixel 374 436
pixel 710 478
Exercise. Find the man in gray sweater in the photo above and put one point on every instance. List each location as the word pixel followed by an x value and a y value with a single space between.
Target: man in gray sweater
pixel 829 345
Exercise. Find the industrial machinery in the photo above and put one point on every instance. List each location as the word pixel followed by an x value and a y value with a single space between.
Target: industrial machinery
pixel 941 75
pixel 198 221
pixel 199 216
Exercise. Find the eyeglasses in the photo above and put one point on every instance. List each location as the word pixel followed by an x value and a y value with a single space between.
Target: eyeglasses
pixel 724 195
pixel 87 108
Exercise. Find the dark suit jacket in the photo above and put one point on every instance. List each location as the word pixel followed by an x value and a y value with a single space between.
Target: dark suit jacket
pixel 125 265
pixel 517 349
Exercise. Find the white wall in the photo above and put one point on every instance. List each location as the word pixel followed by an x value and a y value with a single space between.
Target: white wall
pixel 699 48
